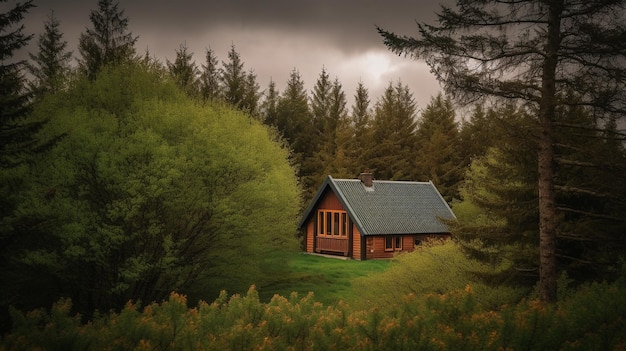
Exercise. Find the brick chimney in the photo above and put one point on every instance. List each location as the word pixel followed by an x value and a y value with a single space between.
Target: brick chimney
pixel 367 178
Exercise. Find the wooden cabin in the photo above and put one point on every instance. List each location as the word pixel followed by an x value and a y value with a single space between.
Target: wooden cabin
pixel 370 219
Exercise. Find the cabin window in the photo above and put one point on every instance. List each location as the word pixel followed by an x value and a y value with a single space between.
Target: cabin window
pixel 329 223
pixel 332 223
pixel 393 243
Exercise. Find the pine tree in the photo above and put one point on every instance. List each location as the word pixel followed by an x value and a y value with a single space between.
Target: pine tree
pixel 342 166
pixel 589 185
pixel 475 134
pixel 269 107
pixel 438 157
pixel 294 113
pixel 338 110
pixel 51 63
pixel 323 135
pixel 16 137
pixel 330 157
pixel 210 78
pixel 14 105
pixel 184 71
pixel 499 212
pixel 108 42
pixel 295 124
pixel 251 95
pixel 390 149
pixel 320 103
pixel 361 125
pixel 361 113
pixel 533 53
pixel 150 62
pixel 233 78
pixel 498 217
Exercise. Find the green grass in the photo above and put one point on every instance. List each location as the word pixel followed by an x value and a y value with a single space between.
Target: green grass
pixel 330 279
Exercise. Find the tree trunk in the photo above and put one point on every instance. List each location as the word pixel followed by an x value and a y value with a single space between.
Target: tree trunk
pixel 547 208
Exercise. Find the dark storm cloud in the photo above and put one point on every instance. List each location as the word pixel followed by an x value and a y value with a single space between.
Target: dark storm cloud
pixel 272 37
pixel 348 24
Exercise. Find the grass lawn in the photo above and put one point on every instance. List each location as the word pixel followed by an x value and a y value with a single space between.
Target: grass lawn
pixel 328 278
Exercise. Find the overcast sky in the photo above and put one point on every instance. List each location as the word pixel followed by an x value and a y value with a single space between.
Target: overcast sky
pixel 272 37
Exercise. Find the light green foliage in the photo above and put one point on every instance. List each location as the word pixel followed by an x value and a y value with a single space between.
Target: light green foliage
pixel 497 218
pixel 590 319
pixel 149 192
pixel 435 268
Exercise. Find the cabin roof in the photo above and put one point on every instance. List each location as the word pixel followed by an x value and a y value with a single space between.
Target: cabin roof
pixel 388 207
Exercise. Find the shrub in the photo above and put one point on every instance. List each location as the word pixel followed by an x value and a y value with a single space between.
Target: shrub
pixel 592 318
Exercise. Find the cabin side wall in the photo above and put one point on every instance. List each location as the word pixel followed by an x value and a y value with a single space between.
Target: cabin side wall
pixel 356 242
pixel 375 244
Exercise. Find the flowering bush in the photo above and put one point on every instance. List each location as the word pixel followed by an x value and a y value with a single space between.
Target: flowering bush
pixel 590 319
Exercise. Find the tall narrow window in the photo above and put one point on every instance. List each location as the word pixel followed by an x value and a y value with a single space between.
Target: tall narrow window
pixel 320 224
pixel 336 223
pixel 344 222
pixel 329 223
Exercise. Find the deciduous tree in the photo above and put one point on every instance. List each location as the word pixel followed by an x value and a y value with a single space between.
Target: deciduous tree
pixel 156 194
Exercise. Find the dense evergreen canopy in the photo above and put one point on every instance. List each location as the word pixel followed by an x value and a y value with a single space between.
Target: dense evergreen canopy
pixel 542 54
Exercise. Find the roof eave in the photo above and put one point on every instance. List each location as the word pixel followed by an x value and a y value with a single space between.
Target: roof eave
pixel 314 201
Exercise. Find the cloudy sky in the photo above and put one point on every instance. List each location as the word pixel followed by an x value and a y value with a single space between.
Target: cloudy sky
pixel 272 37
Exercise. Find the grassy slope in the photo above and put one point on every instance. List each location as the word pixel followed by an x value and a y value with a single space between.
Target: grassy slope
pixel 328 278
